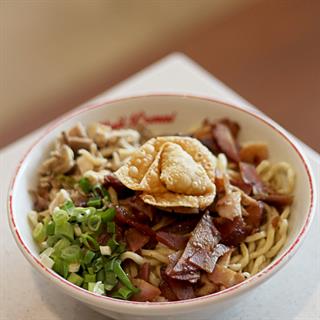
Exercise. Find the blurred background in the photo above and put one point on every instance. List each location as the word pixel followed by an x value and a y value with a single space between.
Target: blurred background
pixel 56 55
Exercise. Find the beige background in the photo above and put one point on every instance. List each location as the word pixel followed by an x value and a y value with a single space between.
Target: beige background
pixel 54 52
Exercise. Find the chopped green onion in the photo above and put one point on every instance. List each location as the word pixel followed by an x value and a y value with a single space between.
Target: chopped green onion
pixel 113 244
pixel 61 244
pixel 105 250
pixel 85 185
pixel 50 228
pixel 77 230
pixel 89 242
pixel 97 264
pixel 107 215
pixel 64 229
pixel 90 270
pixel 123 293
pixel 94 222
pixel 100 275
pixel 61 267
pixel 96 287
pixel 74 267
pixel 60 216
pixel 43 245
pixel 94 202
pixel 33 217
pixel 71 254
pixel 39 232
pixel 75 279
pixel 52 240
pixel 99 288
pixel 91 286
pixel 47 252
pixel 69 238
pixel 47 261
pixel 99 190
pixel 81 214
pixel 89 255
pixel 89 278
pixel 111 227
pixel 109 266
pixel 122 276
pixel 110 280
pixel 121 248
pixel 67 206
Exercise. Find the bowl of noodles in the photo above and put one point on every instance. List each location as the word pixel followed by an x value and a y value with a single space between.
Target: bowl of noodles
pixel 161 205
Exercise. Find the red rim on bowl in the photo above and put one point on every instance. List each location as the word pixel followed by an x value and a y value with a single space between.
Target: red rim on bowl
pixel 173 305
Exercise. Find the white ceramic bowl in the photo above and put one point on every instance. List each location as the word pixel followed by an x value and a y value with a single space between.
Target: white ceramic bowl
pixel 166 114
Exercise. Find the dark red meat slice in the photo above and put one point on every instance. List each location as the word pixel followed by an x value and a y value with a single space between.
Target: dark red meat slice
pixel 148 292
pixel 219 251
pixel 173 241
pixel 275 199
pixel 111 180
pixel 245 187
pixel 182 226
pixel 250 176
pixel 255 213
pixel 135 239
pixel 144 271
pixel 233 126
pixel 103 238
pixel 142 212
pixel 190 272
pixel 226 142
pixel 167 292
pixel 233 232
pixel 172 288
pixel 224 276
pixel 199 253
pixel 123 217
pixel 119 232
pixel 205 136
pixel 209 142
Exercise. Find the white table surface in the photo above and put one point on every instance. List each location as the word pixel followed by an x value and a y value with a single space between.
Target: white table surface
pixel 293 293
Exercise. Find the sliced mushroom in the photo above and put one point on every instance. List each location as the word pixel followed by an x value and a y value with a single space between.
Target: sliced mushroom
pixel 102 135
pixel 61 161
pixel 76 138
pixel 96 177
pixel 98 132
pixel 77 131
pixel 77 143
pixel 88 161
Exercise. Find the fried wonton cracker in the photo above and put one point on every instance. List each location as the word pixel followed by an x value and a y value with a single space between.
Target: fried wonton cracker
pixel 171 172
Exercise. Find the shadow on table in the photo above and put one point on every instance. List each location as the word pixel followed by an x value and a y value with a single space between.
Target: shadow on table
pixel 280 298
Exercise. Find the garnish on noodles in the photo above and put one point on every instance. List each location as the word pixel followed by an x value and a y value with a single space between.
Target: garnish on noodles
pixel 173 218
